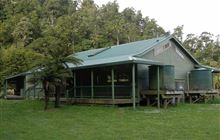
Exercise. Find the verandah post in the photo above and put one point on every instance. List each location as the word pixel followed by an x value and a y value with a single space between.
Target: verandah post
pixel 133 86
pixel 6 86
pixel 92 85
pixel 158 86
pixel 34 85
pixel 27 95
pixel 113 86
pixel 74 83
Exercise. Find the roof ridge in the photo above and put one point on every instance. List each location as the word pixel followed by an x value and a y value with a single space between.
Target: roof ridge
pixel 138 41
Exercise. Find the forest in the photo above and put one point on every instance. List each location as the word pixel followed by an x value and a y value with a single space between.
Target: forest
pixel 31 31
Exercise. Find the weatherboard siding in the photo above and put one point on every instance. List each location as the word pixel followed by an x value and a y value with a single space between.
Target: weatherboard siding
pixel 29 87
pixel 172 56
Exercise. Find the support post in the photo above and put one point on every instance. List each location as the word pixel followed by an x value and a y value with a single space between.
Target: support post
pixel 74 84
pixel 190 99
pixel 26 94
pixel 34 86
pixel 158 87
pixel 133 86
pixel 148 101
pixel 92 85
pixel 138 89
pixel 113 86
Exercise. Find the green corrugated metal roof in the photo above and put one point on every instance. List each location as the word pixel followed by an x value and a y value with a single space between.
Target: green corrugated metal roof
pixel 131 49
pixel 117 54
pixel 20 74
pixel 121 54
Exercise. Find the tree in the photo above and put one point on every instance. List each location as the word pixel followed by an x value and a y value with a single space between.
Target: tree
pixel 89 27
pixel 203 48
pixel 178 33
pixel 16 60
pixel 130 25
pixel 23 32
pixel 190 43
pixel 53 9
pixel 151 29
pixel 113 21
pixel 52 69
pixel 1 67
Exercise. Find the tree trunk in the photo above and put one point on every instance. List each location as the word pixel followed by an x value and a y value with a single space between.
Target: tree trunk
pixel 129 39
pixel 118 37
pixel 57 96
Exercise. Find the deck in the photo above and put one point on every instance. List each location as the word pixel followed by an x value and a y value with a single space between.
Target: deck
pixel 14 97
pixel 167 97
pixel 201 95
pixel 95 101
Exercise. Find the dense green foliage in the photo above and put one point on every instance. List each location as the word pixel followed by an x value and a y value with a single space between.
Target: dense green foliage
pixel 42 25
pixel 24 120
pixel 205 47
pixel 50 26
pixel 16 60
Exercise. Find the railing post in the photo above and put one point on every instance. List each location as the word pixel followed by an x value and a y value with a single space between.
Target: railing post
pixel 113 86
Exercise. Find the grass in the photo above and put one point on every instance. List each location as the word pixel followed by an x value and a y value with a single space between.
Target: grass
pixel 24 120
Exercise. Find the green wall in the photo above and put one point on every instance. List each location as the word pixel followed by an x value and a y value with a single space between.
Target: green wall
pixel 169 56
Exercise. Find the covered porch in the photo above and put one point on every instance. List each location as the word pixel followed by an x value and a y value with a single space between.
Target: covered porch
pixel 21 86
pixel 14 87
pixel 109 82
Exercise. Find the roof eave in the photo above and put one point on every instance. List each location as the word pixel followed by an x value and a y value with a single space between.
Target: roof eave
pixel 17 75
pixel 133 60
pixel 214 70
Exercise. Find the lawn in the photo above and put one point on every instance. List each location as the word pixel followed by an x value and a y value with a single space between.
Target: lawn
pixel 26 120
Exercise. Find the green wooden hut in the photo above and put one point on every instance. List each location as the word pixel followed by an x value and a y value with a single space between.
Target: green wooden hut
pixel 129 73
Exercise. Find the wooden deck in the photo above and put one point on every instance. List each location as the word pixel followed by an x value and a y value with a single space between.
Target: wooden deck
pixel 167 97
pixel 162 92
pixel 102 101
pixel 201 95
pixel 14 97
pixel 95 101
pixel 202 92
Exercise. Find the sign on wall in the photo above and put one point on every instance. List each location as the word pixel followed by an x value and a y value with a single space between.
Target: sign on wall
pixel 161 49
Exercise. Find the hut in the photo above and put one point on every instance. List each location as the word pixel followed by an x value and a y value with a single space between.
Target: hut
pixel 154 70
